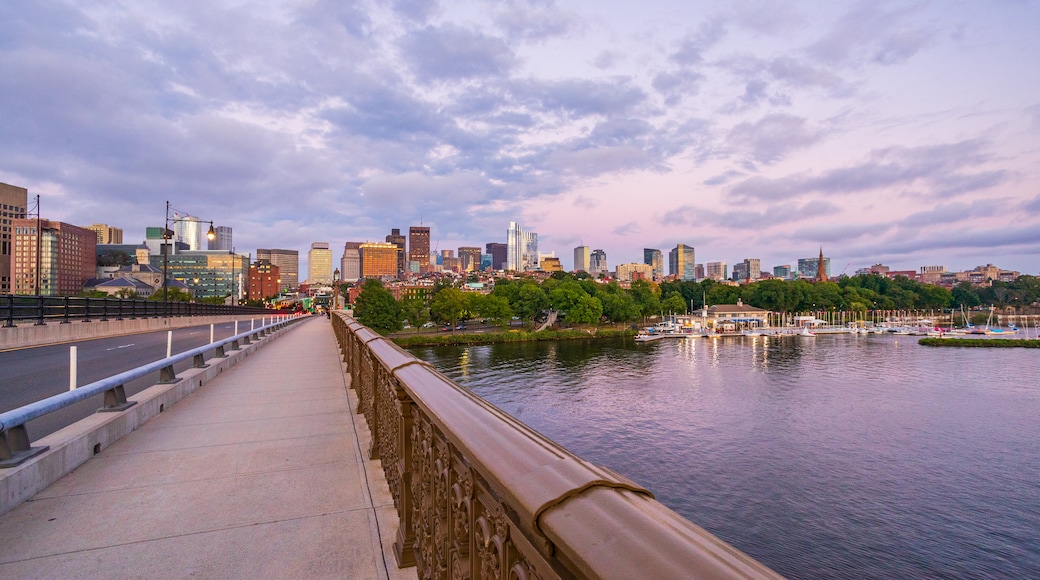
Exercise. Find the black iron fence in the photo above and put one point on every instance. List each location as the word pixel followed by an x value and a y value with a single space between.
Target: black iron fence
pixel 63 309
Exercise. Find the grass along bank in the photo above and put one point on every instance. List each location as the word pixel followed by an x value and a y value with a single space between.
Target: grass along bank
pixel 981 342
pixel 509 336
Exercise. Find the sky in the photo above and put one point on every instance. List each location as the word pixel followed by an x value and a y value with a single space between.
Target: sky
pixel 902 133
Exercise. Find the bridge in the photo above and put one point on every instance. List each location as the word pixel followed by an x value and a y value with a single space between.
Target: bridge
pixel 323 450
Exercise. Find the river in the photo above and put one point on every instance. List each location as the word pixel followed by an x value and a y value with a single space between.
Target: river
pixel 843 456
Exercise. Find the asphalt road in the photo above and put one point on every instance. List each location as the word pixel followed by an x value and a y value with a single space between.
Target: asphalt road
pixel 32 374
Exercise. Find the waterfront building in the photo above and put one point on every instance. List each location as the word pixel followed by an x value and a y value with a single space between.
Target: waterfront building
pixel 223 241
pixel 67 257
pixel 498 252
pixel 13 203
pixel 107 234
pixel 783 271
pixel 469 258
pixel 263 280
pixel 633 271
pixel 810 267
pixel 419 247
pixel 681 262
pixel 717 270
pixel 655 259
pixel 319 264
pixel 582 259
pixel 396 238
pixel 733 317
pixel 598 263
pixel 379 259
pixel 288 262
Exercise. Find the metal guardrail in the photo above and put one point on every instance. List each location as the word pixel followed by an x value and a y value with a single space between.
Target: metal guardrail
pixel 43 309
pixel 481 495
pixel 15 445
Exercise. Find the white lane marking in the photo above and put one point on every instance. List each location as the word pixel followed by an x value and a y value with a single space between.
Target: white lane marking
pixel 118 347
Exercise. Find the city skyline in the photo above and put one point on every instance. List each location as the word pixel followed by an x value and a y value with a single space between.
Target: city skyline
pixel 886 132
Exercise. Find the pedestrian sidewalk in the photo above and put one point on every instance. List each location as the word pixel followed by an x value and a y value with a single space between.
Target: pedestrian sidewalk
pixel 258 474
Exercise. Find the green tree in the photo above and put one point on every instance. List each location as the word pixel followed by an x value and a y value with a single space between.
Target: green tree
pixel 496 308
pixel 647 297
pixel 448 306
pixel 415 311
pixel 377 309
pixel 174 295
pixel 587 310
pixel 619 307
pixel 674 304
pixel 530 300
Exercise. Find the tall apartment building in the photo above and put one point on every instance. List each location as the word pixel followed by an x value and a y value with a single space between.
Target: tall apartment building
pixel 350 263
pixel 396 238
pixel 582 259
pixel 379 259
pixel 319 263
pixel 107 234
pixel 13 203
pixel 288 262
pixel 655 259
pixel 598 263
pixel 740 272
pixel 469 258
pixel 498 252
pixel 752 269
pixel 419 248
pixel 717 270
pixel 263 280
pixel 68 257
pixel 634 271
pixel 223 241
pixel 521 249
pixel 783 271
pixel 192 231
pixel 681 262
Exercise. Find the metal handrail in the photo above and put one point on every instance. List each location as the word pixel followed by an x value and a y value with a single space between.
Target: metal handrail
pixel 15 446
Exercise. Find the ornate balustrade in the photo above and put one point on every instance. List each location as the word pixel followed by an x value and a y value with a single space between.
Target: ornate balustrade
pixel 481 495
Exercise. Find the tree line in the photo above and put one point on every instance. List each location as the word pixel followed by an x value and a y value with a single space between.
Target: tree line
pixel 582 300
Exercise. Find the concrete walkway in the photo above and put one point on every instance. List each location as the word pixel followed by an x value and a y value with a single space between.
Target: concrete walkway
pixel 258 474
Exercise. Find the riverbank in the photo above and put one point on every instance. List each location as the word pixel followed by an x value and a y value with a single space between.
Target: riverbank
pixel 981 342
pixel 508 336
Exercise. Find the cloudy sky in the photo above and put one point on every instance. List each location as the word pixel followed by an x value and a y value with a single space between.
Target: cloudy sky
pixel 906 133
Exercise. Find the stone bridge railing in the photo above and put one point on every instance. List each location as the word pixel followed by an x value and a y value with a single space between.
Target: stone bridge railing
pixel 481 495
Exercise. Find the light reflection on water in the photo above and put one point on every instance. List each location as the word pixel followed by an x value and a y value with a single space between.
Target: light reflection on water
pixel 842 456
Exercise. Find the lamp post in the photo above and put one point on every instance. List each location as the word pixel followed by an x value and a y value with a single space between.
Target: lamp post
pixel 335 289
pixel 167 236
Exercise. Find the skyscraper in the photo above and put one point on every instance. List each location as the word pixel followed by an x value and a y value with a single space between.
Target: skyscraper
pixel 13 201
pixel 717 270
pixel 396 238
pixel 319 264
pixel 582 259
pixel 379 259
pixel 288 262
pixel 350 263
pixel 498 253
pixel 598 263
pixel 223 241
pixel 752 269
pixel 190 230
pixel 521 249
pixel 469 258
pixel 419 246
pixel 681 262
pixel 655 260
pixel 107 234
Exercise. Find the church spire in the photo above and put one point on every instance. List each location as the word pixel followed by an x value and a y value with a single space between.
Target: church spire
pixel 821 272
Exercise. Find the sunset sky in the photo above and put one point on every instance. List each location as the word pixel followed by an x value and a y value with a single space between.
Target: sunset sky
pixel 906 133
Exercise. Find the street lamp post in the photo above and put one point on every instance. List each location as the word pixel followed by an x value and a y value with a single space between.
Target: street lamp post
pixel 167 237
pixel 335 289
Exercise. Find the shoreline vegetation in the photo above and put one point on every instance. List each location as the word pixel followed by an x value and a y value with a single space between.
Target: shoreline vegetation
pixel 508 336
pixel 981 342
